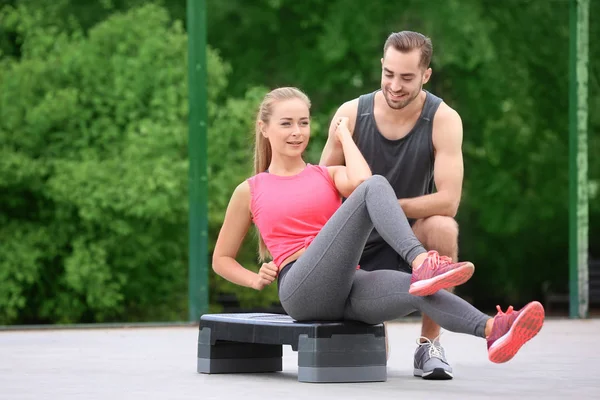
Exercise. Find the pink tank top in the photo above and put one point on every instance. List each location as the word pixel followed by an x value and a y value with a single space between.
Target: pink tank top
pixel 289 211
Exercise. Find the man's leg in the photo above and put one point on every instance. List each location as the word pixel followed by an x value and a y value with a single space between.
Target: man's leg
pixel 441 234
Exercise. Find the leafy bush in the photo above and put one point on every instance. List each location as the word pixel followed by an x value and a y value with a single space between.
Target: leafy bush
pixel 93 168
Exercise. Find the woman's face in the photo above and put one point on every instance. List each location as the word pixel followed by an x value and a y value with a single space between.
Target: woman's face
pixel 288 130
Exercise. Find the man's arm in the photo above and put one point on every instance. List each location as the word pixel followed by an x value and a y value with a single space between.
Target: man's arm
pixel 447 172
pixel 333 153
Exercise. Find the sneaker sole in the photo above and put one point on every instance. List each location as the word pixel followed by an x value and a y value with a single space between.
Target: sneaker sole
pixel 438 374
pixel 453 278
pixel 525 327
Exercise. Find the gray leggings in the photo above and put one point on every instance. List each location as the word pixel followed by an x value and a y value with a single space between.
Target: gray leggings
pixel 324 283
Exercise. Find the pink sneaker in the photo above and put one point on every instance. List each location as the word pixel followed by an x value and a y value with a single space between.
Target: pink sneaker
pixel 439 272
pixel 511 330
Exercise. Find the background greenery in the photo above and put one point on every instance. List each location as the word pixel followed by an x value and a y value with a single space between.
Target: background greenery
pixel 93 138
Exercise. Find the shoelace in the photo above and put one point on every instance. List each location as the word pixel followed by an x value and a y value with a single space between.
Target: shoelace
pixel 509 310
pixel 435 350
pixel 501 325
pixel 437 260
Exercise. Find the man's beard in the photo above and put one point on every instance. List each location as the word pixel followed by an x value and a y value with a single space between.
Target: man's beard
pixel 400 105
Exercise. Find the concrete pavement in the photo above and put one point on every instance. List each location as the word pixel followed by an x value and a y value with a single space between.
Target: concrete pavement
pixel 562 362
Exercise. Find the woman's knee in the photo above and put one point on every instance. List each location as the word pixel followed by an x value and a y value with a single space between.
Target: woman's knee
pixel 377 181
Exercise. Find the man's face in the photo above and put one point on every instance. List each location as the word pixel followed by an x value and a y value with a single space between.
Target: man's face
pixel 401 77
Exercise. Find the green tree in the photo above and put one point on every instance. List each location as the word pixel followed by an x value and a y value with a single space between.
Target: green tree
pixel 93 170
pixel 93 122
pixel 508 78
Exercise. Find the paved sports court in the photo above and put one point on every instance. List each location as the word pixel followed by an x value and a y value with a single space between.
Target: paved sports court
pixel 563 362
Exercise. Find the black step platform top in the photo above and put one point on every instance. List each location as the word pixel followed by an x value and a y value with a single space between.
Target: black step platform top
pixel 278 328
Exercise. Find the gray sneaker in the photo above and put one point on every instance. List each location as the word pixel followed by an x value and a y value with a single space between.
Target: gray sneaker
pixel 430 360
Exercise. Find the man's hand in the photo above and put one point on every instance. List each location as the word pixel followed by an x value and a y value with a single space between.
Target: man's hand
pixel 266 275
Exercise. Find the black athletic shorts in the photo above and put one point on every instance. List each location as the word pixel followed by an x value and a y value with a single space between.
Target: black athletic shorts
pixel 382 256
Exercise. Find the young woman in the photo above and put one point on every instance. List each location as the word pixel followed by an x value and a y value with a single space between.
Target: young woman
pixel 316 241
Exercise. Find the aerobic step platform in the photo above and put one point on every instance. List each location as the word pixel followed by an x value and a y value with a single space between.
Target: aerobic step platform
pixel 327 351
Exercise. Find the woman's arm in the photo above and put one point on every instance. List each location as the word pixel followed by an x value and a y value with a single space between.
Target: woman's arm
pixel 357 170
pixel 235 227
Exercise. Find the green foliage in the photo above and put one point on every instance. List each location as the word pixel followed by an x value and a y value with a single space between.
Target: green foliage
pixel 93 170
pixel 93 126
pixel 502 65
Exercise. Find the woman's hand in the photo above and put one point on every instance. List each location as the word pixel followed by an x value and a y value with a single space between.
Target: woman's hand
pixel 341 130
pixel 266 275
pixel 357 170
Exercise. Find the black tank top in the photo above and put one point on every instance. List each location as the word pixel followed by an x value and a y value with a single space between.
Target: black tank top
pixel 407 163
